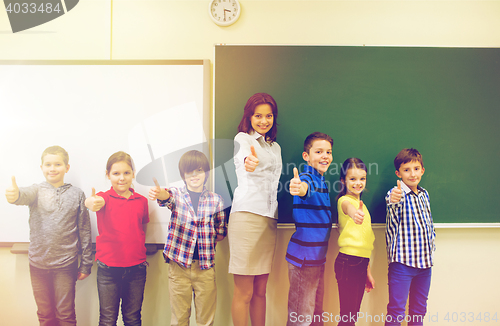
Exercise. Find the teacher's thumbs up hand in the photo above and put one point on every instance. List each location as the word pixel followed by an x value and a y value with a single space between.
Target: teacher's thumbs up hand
pixel 251 161
pixel 396 193
pixel 359 215
pixel 157 192
pixel 295 183
pixel 12 193
pixel 94 202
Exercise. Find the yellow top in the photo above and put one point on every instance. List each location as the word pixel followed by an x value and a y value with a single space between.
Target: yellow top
pixel 355 239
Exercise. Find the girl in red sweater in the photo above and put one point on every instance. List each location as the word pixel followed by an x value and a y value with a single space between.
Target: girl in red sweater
pixel 122 215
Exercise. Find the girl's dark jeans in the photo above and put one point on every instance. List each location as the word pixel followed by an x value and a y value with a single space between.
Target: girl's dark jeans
pixel 350 272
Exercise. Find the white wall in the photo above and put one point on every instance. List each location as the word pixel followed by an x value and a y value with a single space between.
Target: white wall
pixel 465 275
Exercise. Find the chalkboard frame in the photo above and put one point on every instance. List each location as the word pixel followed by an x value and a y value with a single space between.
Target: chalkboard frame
pixel 241 70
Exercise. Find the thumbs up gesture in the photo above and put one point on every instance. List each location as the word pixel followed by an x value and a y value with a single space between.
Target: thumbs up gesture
pixel 157 192
pixel 396 193
pixel 359 215
pixel 295 183
pixel 12 193
pixel 153 192
pixel 94 202
pixel 251 161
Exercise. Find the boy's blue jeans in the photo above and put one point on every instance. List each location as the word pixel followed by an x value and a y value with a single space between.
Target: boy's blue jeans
pixel 350 272
pixel 404 281
pixel 54 291
pixel 125 283
pixel 305 298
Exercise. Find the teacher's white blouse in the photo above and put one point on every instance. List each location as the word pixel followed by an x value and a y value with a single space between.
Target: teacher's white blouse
pixel 257 191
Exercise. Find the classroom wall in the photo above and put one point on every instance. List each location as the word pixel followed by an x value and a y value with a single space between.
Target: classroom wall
pixel 465 277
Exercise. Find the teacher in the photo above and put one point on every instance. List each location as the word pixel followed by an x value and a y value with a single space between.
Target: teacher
pixel 253 219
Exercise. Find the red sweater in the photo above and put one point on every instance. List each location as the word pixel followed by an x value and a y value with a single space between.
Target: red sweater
pixel 121 239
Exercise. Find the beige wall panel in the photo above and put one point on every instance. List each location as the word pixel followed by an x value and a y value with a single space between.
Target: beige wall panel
pixel 81 33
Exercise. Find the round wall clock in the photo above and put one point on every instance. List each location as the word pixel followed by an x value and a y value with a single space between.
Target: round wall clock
pixel 224 12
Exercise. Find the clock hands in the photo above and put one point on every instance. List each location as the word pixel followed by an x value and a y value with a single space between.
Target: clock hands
pixel 226 10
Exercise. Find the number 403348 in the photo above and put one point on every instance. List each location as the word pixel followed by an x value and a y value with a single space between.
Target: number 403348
pixel 31 8
pixel 471 317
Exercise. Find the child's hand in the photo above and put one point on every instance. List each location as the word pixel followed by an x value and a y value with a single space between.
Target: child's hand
pixel 370 283
pixel 359 216
pixel 396 193
pixel 12 193
pixel 153 192
pixel 82 276
pixel 295 183
pixel 94 202
pixel 251 161
pixel 157 192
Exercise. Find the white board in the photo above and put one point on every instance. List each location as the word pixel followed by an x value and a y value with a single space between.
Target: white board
pixel 149 109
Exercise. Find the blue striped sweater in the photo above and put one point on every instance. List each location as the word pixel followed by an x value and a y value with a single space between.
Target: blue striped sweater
pixel 313 222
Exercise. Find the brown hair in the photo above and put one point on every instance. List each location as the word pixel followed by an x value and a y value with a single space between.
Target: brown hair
pixel 350 163
pixel 191 161
pixel 119 157
pixel 315 136
pixel 56 150
pixel 407 155
pixel 254 101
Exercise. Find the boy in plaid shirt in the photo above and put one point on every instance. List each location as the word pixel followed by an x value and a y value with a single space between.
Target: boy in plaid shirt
pixel 196 225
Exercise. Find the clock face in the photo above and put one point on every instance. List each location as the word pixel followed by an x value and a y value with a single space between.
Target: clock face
pixel 224 12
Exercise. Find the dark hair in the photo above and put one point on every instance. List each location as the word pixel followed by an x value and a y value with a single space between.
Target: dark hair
pixel 407 155
pixel 315 136
pixel 254 101
pixel 119 157
pixel 56 150
pixel 193 160
pixel 350 163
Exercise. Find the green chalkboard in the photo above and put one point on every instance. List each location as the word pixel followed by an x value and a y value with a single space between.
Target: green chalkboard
pixel 375 101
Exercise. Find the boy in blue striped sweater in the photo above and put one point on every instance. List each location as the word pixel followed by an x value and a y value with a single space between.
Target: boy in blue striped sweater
pixel 306 252
pixel 410 238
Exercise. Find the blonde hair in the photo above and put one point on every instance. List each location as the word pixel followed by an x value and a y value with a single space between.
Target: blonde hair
pixel 56 150
pixel 119 157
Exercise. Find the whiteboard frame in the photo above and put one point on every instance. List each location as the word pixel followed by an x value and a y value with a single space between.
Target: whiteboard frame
pixel 205 63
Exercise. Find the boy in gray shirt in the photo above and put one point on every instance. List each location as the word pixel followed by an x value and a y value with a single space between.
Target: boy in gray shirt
pixel 59 230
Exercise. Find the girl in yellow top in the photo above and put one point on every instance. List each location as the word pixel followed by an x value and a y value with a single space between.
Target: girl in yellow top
pixel 352 268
